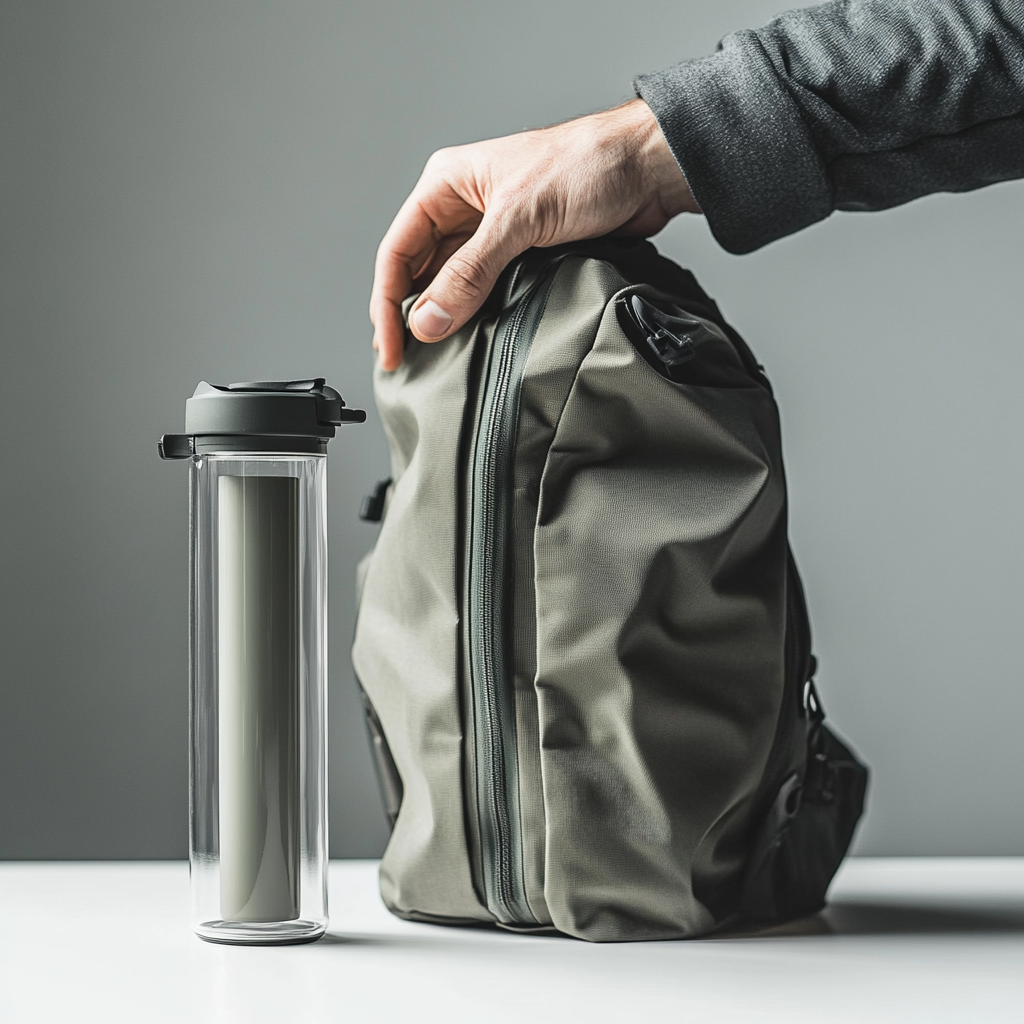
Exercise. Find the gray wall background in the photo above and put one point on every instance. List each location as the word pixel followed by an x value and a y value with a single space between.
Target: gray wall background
pixel 196 190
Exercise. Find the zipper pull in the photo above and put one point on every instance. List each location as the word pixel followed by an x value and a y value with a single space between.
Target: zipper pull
pixel 673 339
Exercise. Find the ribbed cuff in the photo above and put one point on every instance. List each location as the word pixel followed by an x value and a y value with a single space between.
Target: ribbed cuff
pixel 739 139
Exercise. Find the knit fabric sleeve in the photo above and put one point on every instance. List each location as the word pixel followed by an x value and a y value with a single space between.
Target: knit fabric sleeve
pixel 850 105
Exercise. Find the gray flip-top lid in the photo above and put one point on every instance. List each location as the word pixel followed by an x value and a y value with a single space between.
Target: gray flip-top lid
pixel 277 416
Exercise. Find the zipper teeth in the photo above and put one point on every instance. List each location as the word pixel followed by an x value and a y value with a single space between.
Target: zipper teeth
pixel 485 667
pixel 499 793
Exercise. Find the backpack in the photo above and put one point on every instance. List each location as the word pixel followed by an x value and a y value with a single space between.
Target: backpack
pixel 582 641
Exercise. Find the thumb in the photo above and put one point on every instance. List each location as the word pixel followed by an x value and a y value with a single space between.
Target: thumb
pixel 462 285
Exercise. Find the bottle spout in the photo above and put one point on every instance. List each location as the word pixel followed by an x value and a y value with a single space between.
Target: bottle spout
pixel 176 446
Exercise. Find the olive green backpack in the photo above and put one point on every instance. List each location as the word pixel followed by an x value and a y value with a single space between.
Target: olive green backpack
pixel 582 640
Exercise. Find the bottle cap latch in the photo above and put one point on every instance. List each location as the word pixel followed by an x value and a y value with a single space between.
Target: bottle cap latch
pixel 297 416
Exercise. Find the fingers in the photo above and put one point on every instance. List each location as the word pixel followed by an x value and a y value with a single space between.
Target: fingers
pixel 461 285
pixel 477 207
pixel 407 245
pixel 440 256
pixel 432 223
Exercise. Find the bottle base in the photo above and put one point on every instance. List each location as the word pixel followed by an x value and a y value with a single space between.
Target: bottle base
pixel 242 933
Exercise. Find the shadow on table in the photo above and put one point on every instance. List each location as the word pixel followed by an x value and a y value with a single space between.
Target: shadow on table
pixel 423 935
pixel 845 918
pixel 840 917
pixel 897 919
pixel 340 939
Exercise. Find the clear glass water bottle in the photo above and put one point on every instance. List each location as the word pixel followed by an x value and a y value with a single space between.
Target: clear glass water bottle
pixel 258 659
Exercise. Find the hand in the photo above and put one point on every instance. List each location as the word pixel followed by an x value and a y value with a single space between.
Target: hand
pixel 477 207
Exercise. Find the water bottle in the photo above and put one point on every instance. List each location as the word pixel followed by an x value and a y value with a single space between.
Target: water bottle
pixel 257 656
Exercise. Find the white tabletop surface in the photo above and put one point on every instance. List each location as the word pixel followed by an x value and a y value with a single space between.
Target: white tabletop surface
pixel 904 940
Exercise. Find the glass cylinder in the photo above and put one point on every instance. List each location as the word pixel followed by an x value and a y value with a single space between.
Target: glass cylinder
pixel 258 672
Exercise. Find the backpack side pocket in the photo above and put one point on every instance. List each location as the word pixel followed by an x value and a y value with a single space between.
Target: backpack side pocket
pixel 807 830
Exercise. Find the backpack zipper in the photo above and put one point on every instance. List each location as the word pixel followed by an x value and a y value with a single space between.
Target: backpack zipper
pixel 491 682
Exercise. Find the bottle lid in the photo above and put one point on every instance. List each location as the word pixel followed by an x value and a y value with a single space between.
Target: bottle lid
pixel 260 416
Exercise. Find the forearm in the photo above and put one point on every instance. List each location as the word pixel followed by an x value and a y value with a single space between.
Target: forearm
pixel 849 105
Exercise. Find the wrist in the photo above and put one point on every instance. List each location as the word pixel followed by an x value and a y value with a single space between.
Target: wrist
pixel 658 167
pixel 635 144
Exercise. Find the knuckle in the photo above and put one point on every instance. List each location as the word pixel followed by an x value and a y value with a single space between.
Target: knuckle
pixel 466 276
pixel 439 158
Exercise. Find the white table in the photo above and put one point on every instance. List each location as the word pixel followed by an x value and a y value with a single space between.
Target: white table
pixel 904 940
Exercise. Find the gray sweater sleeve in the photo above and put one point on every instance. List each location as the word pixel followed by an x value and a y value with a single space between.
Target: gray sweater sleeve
pixel 851 105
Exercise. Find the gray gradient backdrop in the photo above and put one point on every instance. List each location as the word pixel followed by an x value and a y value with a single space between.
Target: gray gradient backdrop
pixel 196 190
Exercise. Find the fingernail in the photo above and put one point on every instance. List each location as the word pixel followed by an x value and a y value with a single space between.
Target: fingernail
pixel 431 320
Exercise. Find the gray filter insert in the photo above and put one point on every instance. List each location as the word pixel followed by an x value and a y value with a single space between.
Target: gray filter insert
pixel 258 666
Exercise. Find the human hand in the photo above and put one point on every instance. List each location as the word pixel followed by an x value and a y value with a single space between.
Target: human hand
pixel 477 207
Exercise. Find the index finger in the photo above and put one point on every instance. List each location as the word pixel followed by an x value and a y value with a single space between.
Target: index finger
pixel 405 248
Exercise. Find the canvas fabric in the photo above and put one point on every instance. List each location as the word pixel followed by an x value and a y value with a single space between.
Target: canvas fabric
pixel 653 637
